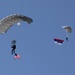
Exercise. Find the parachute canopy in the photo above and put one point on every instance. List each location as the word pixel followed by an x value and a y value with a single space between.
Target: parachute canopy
pixel 58 41
pixel 67 28
pixel 10 20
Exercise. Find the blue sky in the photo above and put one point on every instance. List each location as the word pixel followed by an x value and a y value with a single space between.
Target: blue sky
pixel 39 54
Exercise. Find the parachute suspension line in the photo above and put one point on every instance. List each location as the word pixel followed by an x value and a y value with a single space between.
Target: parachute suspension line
pixel 67 35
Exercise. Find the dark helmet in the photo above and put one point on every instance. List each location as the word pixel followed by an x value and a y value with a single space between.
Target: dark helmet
pixel 14 42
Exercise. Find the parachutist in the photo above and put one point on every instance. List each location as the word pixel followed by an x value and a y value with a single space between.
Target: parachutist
pixel 68 30
pixel 67 38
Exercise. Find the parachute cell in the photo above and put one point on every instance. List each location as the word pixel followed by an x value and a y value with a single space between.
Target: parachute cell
pixel 10 20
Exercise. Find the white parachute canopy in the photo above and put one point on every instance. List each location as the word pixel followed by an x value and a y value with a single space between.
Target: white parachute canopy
pixel 10 20
pixel 67 28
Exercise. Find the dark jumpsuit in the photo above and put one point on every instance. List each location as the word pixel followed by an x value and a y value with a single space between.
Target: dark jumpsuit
pixel 13 49
pixel 67 38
